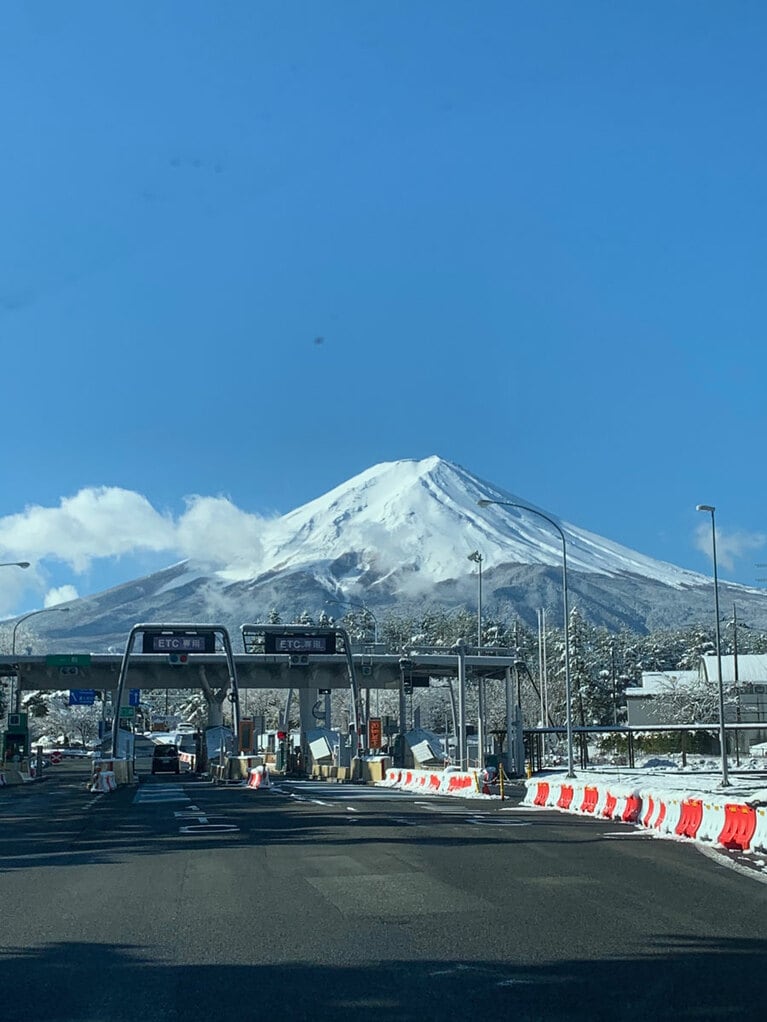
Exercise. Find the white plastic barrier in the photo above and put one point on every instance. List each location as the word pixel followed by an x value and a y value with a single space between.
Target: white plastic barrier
pixel 712 820
pixel 258 777
pixel 667 824
pixel 759 840
pixel 104 780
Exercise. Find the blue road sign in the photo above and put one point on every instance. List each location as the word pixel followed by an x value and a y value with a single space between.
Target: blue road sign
pixel 82 696
pixel 134 697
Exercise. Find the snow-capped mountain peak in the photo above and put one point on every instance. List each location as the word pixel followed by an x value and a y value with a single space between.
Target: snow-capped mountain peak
pixel 420 519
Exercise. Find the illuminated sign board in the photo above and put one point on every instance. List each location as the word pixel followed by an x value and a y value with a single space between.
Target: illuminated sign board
pixel 318 644
pixel 179 642
pixel 375 733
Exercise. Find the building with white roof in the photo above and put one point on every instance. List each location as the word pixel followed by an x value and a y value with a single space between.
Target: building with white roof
pixel 745 685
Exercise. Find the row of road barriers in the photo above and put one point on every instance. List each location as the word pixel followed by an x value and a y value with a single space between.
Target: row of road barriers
pixel 705 818
pixel 436 782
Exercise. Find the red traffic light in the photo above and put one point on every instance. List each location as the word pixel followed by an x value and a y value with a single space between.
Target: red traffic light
pixel 282 735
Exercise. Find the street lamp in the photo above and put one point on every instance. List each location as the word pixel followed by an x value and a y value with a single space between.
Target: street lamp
pixel 555 525
pixel 362 607
pixel 14 564
pixel 477 558
pixel 43 610
pixel 722 732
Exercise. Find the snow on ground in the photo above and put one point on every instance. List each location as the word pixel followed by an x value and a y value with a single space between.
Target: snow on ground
pixel 702 775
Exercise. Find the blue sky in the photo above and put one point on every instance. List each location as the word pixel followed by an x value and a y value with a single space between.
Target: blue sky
pixel 530 236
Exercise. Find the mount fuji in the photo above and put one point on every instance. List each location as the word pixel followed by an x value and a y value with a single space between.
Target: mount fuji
pixel 399 535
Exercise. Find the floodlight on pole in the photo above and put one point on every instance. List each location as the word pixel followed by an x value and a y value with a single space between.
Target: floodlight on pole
pixel 477 558
pixel 568 694
pixel 709 509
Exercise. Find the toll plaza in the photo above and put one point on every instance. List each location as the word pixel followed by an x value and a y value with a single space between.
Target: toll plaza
pixel 318 663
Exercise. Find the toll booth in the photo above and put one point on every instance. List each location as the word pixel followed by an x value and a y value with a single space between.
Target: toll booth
pixel 16 738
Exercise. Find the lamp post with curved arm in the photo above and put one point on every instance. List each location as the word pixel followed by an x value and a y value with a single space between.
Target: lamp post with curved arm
pixel 363 608
pixel 14 564
pixel 555 525
pixel 24 617
pixel 725 782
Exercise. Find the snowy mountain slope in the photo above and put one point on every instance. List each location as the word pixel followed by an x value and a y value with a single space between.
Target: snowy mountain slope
pixel 398 536
pixel 424 515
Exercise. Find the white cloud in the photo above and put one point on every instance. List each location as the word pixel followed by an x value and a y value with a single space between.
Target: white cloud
pixel 729 545
pixel 96 522
pixel 212 529
pixel 103 522
pixel 60 594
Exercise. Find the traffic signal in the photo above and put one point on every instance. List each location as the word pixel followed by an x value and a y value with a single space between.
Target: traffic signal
pixel 177 658
pixel 282 735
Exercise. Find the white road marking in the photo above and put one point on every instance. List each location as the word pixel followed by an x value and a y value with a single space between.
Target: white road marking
pixel 496 823
pixel 209 828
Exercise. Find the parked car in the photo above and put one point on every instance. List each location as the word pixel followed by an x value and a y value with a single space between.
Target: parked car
pixel 165 759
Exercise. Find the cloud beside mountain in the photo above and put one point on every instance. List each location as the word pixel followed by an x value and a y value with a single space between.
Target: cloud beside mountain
pixel 109 523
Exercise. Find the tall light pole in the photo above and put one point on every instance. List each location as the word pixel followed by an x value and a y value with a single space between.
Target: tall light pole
pixel 477 558
pixel 24 617
pixel 722 732
pixel 14 564
pixel 362 607
pixel 555 525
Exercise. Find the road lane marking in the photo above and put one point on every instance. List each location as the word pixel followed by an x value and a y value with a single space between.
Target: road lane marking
pixel 208 828
pixel 495 823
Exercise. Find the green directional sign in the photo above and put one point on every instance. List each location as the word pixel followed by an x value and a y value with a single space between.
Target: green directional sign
pixel 127 712
pixel 68 660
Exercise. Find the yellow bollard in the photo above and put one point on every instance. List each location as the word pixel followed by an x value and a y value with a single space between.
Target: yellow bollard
pixel 528 769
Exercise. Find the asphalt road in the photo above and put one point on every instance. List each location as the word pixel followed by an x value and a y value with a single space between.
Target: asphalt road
pixel 177 899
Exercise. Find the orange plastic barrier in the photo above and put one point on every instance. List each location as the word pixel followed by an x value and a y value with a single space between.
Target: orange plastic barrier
pixel 609 808
pixel 661 816
pixel 632 810
pixel 458 783
pixel 566 796
pixel 435 782
pixel 739 826
pixel 690 817
pixel 590 798
pixel 543 794
pixel 650 809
